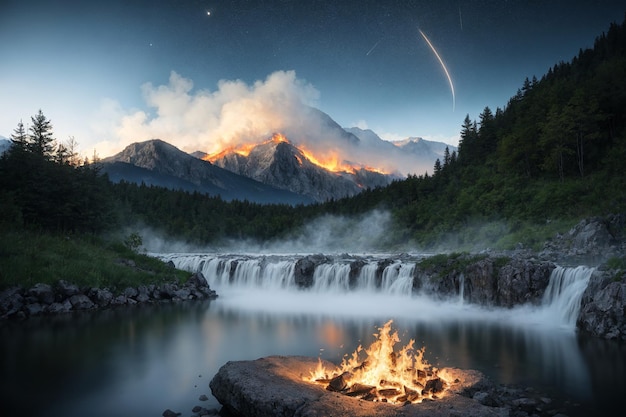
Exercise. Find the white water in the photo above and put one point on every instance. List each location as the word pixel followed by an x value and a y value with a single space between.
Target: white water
pixel 267 285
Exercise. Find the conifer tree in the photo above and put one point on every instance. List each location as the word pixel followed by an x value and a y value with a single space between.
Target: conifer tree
pixel 19 136
pixel 41 140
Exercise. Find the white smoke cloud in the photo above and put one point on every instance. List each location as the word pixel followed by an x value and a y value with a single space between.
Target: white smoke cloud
pixel 209 120
pixel 237 113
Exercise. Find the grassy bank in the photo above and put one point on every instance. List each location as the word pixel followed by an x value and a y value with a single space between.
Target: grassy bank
pixel 27 258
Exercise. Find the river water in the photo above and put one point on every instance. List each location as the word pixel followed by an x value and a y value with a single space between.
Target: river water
pixel 139 361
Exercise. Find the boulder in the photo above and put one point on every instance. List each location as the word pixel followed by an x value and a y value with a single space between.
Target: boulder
pixel 81 302
pixel 61 307
pixel 65 290
pixel 603 306
pixel 274 386
pixel 523 281
pixel 101 296
pixel 43 293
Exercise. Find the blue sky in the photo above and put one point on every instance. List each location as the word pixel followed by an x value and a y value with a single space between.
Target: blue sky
pixel 113 72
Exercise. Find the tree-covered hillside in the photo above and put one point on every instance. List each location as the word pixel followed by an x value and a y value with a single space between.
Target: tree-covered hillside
pixel 552 155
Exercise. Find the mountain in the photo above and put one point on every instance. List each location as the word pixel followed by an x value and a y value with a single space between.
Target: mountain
pixel 410 156
pixel 155 162
pixel 4 144
pixel 279 163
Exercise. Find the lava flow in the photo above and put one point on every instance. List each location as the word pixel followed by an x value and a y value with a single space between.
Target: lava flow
pixel 379 373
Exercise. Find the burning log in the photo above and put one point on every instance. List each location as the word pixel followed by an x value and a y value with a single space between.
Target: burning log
pixel 397 377
pixel 433 386
pixel 361 391
pixel 339 383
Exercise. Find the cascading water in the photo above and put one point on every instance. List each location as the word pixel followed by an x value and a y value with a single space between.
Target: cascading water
pixel 564 292
pixel 369 282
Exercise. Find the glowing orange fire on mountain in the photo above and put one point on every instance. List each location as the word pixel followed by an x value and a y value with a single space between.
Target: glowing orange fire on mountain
pixel 379 373
pixel 329 160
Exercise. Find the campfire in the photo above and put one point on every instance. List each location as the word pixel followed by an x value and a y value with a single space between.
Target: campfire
pixel 382 374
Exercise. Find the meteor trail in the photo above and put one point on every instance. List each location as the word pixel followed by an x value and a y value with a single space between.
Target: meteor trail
pixel 375 45
pixel 442 66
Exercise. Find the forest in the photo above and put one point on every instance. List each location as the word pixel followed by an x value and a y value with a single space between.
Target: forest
pixel 551 156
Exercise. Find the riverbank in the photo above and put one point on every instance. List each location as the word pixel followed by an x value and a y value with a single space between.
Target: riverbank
pixel 64 297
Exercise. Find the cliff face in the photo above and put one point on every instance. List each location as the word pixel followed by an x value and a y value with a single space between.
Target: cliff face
pixel 603 305
pixel 284 166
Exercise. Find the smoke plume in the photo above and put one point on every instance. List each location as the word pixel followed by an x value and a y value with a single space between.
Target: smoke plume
pixel 208 120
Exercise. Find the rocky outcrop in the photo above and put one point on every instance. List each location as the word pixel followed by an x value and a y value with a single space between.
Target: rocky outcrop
pixel 64 297
pixel 283 165
pixel 274 386
pixel 592 241
pixel 603 305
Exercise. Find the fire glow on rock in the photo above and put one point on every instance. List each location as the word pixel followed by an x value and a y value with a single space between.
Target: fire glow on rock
pixel 379 373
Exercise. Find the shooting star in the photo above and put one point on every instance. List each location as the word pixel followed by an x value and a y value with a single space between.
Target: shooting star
pixel 373 47
pixel 460 18
pixel 442 66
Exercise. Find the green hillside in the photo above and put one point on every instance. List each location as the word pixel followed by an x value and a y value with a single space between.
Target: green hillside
pixel 552 155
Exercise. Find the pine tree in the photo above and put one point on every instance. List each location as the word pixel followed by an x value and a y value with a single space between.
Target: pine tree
pixel 19 136
pixel 41 140
pixel 446 157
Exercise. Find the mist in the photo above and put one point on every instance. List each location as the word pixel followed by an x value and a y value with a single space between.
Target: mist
pixel 370 232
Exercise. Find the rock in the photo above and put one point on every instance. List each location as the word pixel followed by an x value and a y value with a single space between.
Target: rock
pixel 603 306
pixel 11 301
pixel 65 289
pixel 198 280
pixel 120 300
pixel 592 240
pixel 130 292
pixel 81 302
pixel 203 397
pixel 102 297
pixel 62 307
pixel 182 294
pixel 43 293
pixel 170 413
pixel 523 281
pixel 305 267
pixel 34 309
pixel 167 291
pixel 143 294
pixel 273 386
pixel 196 409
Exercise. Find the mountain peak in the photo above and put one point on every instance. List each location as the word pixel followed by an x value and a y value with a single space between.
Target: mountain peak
pixel 156 162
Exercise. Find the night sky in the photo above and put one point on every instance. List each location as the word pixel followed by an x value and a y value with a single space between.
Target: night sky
pixel 113 72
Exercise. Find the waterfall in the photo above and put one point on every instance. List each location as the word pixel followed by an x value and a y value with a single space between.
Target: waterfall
pixel 400 280
pixel 366 277
pixel 333 277
pixel 277 272
pixel 564 293
pixel 461 288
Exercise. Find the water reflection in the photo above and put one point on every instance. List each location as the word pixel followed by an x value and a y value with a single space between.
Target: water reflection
pixel 140 361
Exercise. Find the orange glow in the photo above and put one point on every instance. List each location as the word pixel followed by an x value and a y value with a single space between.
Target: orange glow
pixel 379 373
pixel 329 160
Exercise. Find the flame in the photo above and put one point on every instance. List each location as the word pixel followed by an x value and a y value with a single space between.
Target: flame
pixel 329 160
pixel 379 373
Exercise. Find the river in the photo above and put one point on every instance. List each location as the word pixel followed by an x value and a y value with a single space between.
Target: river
pixel 139 361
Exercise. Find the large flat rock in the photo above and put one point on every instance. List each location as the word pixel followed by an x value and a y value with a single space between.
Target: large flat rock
pixel 274 386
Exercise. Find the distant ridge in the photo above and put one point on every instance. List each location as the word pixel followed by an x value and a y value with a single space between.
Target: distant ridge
pixel 155 162
pixel 279 163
